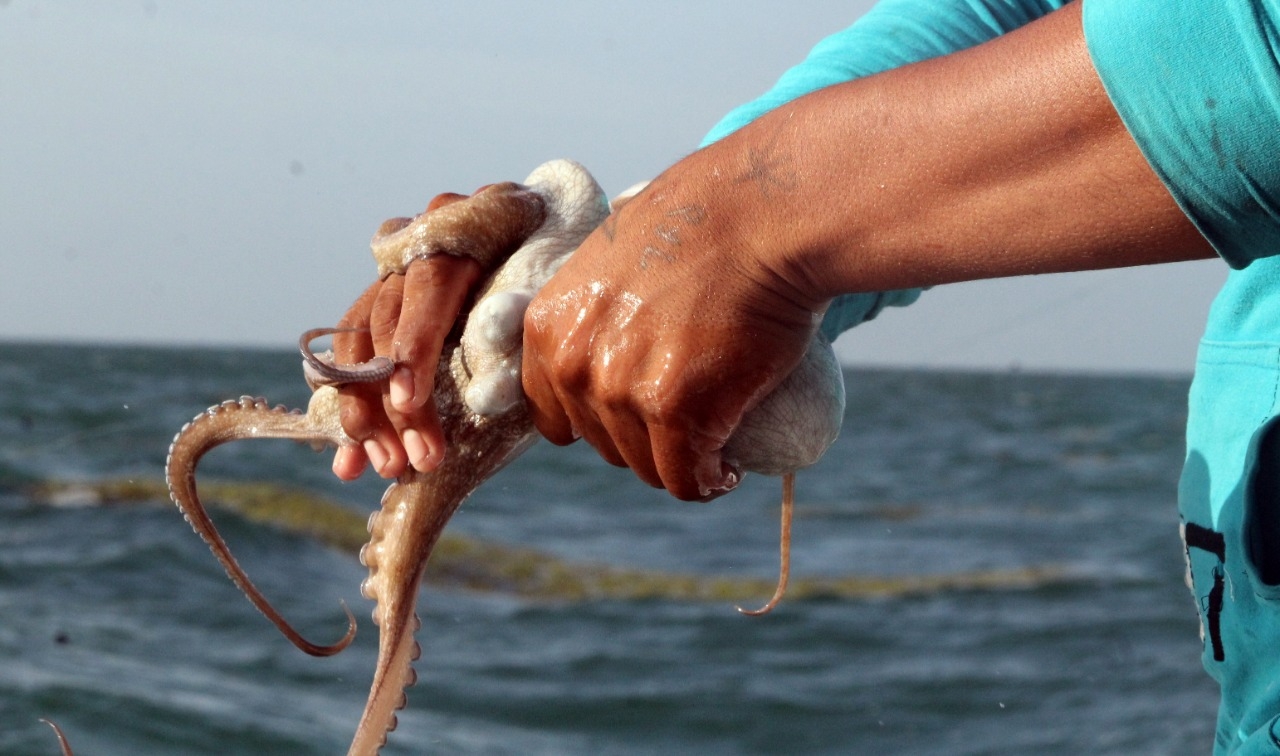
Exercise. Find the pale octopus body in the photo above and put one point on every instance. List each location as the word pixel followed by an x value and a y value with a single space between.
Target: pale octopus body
pixel 789 430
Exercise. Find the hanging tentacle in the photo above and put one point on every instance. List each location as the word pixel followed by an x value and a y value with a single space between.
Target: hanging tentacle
pixel 230 421
pixel 62 738
pixel 784 570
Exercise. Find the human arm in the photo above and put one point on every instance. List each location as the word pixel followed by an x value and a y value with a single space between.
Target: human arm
pixel 695 299
pixel 893 33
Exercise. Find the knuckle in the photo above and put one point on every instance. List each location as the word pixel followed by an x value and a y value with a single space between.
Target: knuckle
pixel 666 408
pixel 614 394
pixel 536 320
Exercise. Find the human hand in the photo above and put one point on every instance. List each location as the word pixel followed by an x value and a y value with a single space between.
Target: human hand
pixel 405 317
pixel 520 233
pixel 658 334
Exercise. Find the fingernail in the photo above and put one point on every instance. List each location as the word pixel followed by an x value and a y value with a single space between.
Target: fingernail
pixel 402 389
pixel 344 462
pixel 377 456
pixel 416 449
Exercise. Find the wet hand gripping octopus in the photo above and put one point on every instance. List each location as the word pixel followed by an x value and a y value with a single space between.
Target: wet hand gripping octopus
pixel 482 410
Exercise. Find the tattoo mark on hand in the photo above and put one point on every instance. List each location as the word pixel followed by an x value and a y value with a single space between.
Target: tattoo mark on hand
pixel 652 253
pixel 768 170
pixel 694 215
pixel 609 227
pixel 669 234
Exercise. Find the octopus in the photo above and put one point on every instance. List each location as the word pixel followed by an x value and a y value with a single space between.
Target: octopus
pixel 482 411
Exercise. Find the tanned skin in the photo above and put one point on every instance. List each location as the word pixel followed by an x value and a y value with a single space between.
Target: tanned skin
pixel 700 295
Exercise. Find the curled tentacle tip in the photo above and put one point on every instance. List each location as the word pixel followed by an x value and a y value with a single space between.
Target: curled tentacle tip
pixel 321 371
pixel 62 738
pixel 773 602
pixel 333 648
pixel 351 628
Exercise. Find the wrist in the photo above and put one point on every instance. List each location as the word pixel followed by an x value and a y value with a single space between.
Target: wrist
pixel 755 213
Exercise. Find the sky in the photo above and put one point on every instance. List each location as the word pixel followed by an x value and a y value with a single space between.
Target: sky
pixel 192 173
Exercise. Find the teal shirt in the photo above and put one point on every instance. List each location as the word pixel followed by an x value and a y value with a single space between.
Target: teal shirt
pixel 1197 83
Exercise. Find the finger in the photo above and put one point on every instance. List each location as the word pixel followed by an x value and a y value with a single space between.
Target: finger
pixel 386 454
pixel 423 443
pixel 588 427
pixel 545 407
pixel 690 464
pixel 613 396
pixel 548 415
pixel 349 462
pixel 447 198
pixel 585 422
pixel 435 290
pixel 631 438
pixel 535 377
pixel 364 415
pixel 350 344
pixel 427 313
pixel 358 405
pixel 384 315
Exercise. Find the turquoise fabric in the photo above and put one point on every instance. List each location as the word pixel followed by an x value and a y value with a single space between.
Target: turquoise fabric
pixel 1228 489
pixel 893 33
pixel 1197 84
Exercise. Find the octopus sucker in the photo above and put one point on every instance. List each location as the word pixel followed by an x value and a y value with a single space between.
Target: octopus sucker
pixel 784 547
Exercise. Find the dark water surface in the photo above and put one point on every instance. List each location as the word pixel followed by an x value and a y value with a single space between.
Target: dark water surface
pixel 116 621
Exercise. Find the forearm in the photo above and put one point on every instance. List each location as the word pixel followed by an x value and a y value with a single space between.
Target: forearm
pixel 893 33
pixel 1005 159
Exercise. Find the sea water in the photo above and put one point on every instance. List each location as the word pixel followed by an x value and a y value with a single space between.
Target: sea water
pixel 117 623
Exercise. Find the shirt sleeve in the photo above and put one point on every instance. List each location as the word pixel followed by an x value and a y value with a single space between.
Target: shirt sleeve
pixel 891 34
pixel 1197 84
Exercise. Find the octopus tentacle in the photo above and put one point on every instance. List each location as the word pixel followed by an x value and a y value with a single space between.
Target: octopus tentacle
pixel 403 533
pixel 393 586
pixel 229 421
pixel 323 372
pixel 789 429
pixel 486 227
pixel 62 738
pixel 784 548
